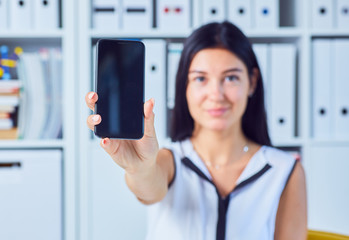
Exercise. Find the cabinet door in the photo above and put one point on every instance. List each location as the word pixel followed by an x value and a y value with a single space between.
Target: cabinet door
pixel 115 211
pixel 328 189
pixel 31 194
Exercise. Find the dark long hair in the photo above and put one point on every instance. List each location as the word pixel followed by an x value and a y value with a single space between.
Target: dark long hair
pixel 228 36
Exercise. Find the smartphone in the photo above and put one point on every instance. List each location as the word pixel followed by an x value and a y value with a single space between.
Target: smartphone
pixel 119 83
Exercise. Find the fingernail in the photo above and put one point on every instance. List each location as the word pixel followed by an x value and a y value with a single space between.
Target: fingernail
pixel 91 95
pixel 95 118
pixel 104 142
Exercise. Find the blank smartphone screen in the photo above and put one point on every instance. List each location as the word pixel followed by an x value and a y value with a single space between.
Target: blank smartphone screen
pixel 120 88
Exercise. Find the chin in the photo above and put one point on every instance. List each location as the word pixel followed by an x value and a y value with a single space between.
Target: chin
pixel 218 126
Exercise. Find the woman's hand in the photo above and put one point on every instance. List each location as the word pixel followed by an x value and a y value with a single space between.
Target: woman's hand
pixel 135 156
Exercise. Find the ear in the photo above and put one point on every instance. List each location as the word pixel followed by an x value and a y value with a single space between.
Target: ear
pixel 253 81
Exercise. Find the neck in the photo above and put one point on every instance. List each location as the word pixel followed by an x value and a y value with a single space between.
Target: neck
pixel 220 148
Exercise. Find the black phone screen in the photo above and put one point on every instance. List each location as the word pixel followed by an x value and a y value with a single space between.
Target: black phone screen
pixel 120 88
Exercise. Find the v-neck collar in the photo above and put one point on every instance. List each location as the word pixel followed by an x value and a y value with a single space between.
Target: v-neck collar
pixel 256 166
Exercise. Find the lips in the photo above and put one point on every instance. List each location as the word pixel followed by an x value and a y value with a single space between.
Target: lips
pixel 216 112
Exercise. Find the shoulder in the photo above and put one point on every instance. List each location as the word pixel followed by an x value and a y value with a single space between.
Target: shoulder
pixel 286 163
pixel 275 153
pixel 278 157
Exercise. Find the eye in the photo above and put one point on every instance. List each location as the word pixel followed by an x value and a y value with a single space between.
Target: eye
pixel 231 78
pixel 199 79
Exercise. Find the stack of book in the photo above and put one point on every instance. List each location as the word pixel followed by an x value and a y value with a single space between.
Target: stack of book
pixel 9 102
pixel 31 94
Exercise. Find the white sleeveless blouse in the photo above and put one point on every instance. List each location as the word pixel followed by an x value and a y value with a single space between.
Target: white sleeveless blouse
pixel 193 209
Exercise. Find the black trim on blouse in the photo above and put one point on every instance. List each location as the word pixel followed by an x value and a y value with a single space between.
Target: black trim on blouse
pixel 223 203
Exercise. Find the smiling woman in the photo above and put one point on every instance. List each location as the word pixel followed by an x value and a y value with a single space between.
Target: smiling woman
pixel 220 178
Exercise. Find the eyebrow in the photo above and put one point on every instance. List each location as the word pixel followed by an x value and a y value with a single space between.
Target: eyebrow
pixel 233 70
pixel 226 71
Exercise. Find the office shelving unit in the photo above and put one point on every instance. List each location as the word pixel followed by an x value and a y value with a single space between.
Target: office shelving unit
pixel 81 152
pixel 87 169
pixel 64 38
pixel 295 28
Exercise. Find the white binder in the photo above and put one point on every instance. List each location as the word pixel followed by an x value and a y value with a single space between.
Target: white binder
pixel 52 58
pixel 173 15
pixel 46 14
pixel 322 89
pixel 282 102
pixel 155 83
pixel 106 14
pixel 341 86
pixel 266 14
pixel 31 194
pixel 173 56
pixel 33 108
pixel 3 14
pixel 240 13
pixel 262 54
pixel 137 15
pixel 322 13
pixel 21 14
pixel 212 11
pixel 342 14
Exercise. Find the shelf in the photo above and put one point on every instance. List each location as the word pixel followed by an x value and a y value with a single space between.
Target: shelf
pixel 297 142
pixel 31 34
pixel 330 33
pixel 152 33
pixel 155 33
pixel 283 32
pixel 329 142
pixel 33 39
pixel 5 144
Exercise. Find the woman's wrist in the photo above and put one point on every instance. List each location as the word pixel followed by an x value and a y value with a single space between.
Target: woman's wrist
pixel 149 184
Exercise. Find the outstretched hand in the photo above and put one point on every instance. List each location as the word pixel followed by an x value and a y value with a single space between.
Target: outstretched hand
pixel 131 155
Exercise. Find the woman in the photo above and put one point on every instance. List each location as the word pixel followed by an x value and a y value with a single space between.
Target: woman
pixel 220 178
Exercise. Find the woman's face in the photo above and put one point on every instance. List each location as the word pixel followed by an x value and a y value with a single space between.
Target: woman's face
pixel 218 89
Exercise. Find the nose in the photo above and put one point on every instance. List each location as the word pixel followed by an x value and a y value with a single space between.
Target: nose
pixel 216 90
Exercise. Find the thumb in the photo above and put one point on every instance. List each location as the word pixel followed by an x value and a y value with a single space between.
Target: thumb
pixel 149 129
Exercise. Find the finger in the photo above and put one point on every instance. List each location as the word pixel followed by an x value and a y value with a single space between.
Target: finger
pixel 110 146
pixel 93 120
pixel 149 129
pixel 90 99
